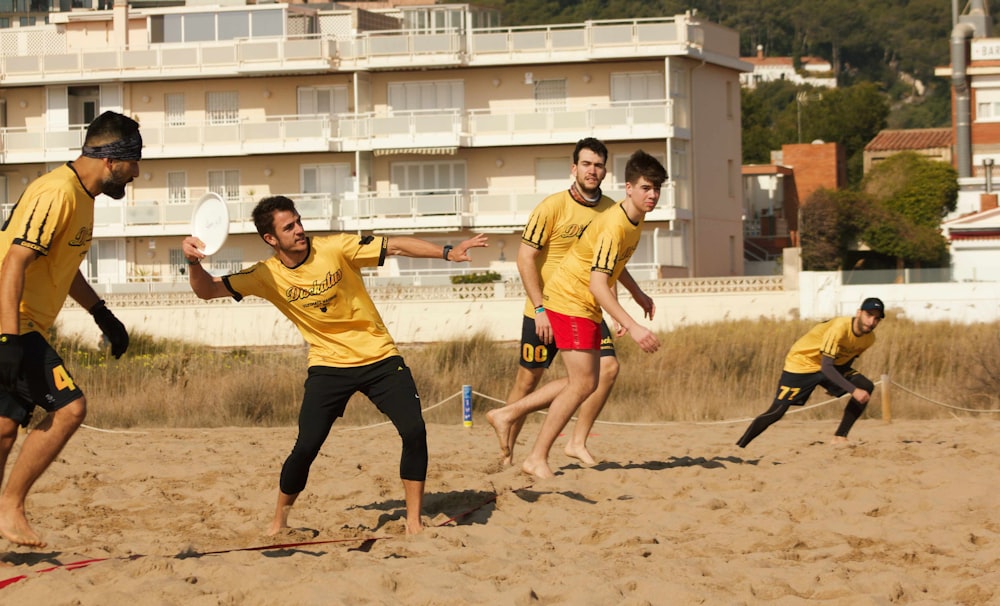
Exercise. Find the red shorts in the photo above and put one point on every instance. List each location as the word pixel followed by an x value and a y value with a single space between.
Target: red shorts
pixel 573 332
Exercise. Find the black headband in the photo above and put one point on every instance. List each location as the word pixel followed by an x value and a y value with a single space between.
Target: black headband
pixel 129 148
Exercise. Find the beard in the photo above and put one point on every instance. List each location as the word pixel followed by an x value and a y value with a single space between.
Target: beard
pixel 114 187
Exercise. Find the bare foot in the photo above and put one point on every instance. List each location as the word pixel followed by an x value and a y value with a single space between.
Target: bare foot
pixel 537 469
pixel 15 528
pixel 839 440
pixel 276 528
pixel 414 528
pixel 502 428
pixel 581 454
pixel 280 521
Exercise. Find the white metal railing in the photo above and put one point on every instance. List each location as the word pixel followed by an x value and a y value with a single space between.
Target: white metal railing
pixel 447 128
pixel 57 61
pixel 176 295
pixel 60 61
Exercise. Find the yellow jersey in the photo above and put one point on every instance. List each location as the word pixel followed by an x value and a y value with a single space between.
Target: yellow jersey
pixel 325 297
pixel 834 339
pixel 605 246
pixel 553 227
pixel 55 218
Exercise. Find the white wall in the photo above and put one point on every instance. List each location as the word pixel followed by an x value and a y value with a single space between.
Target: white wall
pixel 821 295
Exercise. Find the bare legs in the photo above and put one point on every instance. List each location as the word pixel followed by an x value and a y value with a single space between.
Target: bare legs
pixel 508 420
pixel 582 372
pixel 414 494
pixel 42 445
pixel 590 410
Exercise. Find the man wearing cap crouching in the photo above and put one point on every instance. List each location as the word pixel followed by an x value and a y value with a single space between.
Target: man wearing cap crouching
pixel 823 357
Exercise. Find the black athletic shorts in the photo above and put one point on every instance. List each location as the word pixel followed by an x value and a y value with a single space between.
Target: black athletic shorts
pixel 44 381
pixel 535 354
pixel 795 388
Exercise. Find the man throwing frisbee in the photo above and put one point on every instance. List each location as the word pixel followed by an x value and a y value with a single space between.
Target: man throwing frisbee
pixel 317 284
pixel 823 357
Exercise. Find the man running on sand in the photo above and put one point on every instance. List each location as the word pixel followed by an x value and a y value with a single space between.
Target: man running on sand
pixel 583 285
pixel 553 227
pixel 823 357
pixel 316 282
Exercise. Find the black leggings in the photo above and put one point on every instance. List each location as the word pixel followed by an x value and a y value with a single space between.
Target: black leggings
pixel 388 384
pixel 852 412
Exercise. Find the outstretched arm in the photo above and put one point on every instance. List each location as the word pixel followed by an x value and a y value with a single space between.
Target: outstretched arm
pixel 406 246
pixel 204 284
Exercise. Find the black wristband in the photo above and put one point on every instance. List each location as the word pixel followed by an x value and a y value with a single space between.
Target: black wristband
pixel 96 306
pixel 195 262
pixel 447 251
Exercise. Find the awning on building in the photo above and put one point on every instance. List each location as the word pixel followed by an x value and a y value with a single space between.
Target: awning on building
pixel 426 151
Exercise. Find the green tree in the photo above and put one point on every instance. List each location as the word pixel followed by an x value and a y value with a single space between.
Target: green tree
pixel 825 230
pixel 908 197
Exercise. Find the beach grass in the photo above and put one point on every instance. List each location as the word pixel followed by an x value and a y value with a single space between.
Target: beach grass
pixel 702 373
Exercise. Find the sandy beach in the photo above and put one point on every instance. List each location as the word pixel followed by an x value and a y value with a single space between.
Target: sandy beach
pixel 906 514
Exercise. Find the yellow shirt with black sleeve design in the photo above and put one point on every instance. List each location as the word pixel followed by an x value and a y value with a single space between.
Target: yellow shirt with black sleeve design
pixel 606 246
pixel 553 227
pixel 55 218
pixel 834 338
pixel 325 297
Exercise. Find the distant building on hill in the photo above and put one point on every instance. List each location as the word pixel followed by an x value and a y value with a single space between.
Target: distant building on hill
pixel 934 143
pixel 814 71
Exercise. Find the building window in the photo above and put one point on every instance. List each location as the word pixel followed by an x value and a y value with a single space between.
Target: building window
pixel 227 25
pixel 173 104
pixel 987 105
pixel 428 177
pixel 550 94
pixel 177 188
pixel 326 100
pixel 222 107
pixel 226 183
pixel 637 86
pixel 415 96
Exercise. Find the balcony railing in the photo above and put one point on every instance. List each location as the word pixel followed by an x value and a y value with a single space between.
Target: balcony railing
pixel 301 133
pixel 52 60
pixel 450 210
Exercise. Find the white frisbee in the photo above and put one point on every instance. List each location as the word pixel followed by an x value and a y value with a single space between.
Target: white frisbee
pixel 210 222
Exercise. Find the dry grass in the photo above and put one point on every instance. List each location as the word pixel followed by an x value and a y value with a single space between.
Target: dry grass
pixel 702 373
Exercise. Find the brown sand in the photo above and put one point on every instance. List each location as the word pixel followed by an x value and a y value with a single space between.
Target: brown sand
pixel 908 514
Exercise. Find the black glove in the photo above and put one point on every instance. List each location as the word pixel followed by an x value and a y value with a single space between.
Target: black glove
pixel 112 328
pixel 11 353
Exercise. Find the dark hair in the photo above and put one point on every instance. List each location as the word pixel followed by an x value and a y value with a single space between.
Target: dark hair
pixel 593 145
pixel 641 164
pixel 263 213
pixel 110 127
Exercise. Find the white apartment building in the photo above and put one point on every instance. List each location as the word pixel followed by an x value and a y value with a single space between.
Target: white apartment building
pixel 424 120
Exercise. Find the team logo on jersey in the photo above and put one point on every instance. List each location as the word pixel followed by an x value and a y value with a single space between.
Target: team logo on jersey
pixel 82 237
pixel 571 231
pixel 296 293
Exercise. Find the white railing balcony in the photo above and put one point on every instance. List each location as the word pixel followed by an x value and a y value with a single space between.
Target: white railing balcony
pixel 533 124
pixel 248 135
pixel 550 43
pixel 405 211
pixel 433 128
pixel 57 63
pixel 146 217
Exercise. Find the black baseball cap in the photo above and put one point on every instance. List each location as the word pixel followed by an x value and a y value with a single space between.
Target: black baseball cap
pixel 874 305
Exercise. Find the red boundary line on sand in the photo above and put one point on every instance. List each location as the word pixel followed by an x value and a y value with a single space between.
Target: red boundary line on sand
pixel 88 562
pixel 85 563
